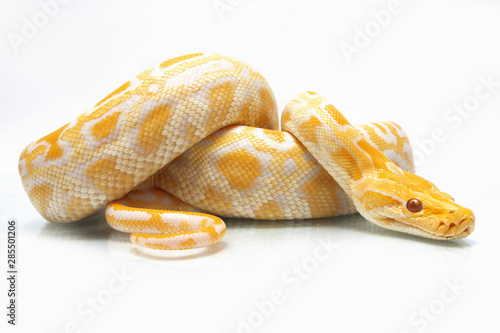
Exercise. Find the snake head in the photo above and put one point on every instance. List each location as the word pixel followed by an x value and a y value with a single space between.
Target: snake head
pixel 414 205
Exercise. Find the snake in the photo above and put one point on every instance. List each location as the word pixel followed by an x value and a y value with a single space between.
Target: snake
pixel 197 138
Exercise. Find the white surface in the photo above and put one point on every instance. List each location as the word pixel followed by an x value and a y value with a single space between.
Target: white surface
pixel 427 59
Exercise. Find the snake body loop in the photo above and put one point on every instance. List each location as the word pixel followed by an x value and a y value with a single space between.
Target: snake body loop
pixel 198 136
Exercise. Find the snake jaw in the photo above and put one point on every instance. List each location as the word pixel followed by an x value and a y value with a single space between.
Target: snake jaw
pixel 463 228
pixel 462 225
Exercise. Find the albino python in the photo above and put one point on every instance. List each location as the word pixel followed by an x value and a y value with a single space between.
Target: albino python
pixel 198 136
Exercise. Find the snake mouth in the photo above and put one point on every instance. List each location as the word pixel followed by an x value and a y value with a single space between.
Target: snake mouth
pixel 443 232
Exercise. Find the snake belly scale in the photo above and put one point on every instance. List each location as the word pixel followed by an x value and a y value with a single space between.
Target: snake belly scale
pixel 198 137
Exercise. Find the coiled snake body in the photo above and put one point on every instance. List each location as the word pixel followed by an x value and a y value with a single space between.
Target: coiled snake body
pixel 198 136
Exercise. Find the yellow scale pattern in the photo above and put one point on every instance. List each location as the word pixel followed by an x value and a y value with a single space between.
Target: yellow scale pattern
pixel 197 136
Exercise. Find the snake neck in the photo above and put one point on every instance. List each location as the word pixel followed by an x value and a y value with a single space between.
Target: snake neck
pixel 339 147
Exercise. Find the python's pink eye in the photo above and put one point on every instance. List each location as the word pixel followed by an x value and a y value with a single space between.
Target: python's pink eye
pixel 414 205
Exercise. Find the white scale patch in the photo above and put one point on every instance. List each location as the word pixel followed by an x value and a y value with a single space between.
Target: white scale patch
pixel 138 216
pixel 41 160
pixel 123 215
pixel 154 88
pixel 245 73
pixel 307 156
pixel 175 219
pixel 371 189
pixel 394 168
pixel 219 228
pixel 22 168
pixel 388 136
pixel 399 130
pixel 191 75
pixel 409 152
pixel 392 155
pixel 289 167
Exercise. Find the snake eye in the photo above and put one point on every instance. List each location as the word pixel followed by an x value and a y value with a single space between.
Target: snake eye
pixel 414 205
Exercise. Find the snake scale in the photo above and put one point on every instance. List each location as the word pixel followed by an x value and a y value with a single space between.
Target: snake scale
pixel 198 137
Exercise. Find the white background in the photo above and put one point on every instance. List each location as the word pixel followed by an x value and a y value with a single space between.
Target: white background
pixel 429 57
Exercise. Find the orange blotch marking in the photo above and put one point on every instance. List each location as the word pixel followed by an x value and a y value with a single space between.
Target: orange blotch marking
pixel 203 223
pixel 106 126
pixel 184 226
pixel 339 118
pixel 117 91
pixel 104 174
pixel 240 168
pixel 134 238
pixel 245 112
pixel 156 221
pixel 276 136
pixel 152 127
pixel 211 231
pixel 214 236
pixel 221 97
pixel 378 158
pixel 308 129
pixel 55 151
pixel 349 163
pixel 188 244
pixel 175 60
pixel 372 199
